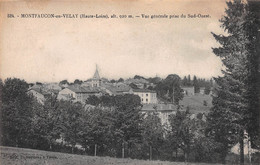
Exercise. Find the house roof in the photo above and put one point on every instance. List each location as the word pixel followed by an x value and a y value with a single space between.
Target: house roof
pixel 117 88
pixel 36 86
pixel 79 89
pixel 159 107
pixel 136 81
pixel 143 90
pixel 186 87
pixel 55 91
pixel 39 90
pixel 52 86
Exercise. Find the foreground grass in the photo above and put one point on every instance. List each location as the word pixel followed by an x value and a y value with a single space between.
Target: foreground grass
pixel 22 156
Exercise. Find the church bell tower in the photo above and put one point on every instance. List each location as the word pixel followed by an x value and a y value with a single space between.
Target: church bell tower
pixel 96 81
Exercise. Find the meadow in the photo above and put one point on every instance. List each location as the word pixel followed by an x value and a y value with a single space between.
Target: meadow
pixel 22 156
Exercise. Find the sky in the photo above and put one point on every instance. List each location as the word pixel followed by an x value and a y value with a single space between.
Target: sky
pixel 51 49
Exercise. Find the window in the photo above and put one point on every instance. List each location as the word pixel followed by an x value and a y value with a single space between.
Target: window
pixel 142 99
pixel 146 94
pixel 146 100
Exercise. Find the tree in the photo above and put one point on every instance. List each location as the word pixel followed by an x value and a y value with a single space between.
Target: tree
pixel 170 90
pixel 97 130
pixel 112 81
pixel 154 80
pixel 93 100
pixel 107 101
pixel 207 89
pixel 185 81
pixel 182 132
pixel 120 80
pixel 17 114
pixel 252 25
pixel 72 122
pixel 1 116
pixel 196 85
pixel 234 103
pixel 211 82
pixel 77 81
pixel 115 124
pixel 127 121
pixel 133 86
pixel 204 147
pixel 38 83
pixel 139 77
pixel 47 122
pixel 63 82
pixel 152 134
pixel 189 82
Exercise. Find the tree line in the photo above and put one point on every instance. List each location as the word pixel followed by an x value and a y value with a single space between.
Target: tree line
pixel 185 82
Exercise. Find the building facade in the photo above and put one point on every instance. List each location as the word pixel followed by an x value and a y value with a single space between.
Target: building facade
pixel 78 94
pixel 146 96
pixel 163 110
pixel 39 94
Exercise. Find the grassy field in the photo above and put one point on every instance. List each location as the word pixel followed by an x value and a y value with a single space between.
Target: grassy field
pixel 21 156
pixel 196 103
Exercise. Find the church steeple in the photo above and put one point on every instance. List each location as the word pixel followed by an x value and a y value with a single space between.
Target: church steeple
pixel 96 75
pixel 96 81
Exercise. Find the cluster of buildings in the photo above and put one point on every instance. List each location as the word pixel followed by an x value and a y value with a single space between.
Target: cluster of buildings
pixel 98 87
pixel 95 86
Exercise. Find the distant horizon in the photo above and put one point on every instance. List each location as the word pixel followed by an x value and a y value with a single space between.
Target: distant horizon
pixel 102 77
pixel 112 78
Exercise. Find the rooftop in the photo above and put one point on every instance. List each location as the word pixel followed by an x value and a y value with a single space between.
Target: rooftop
pixel 79 89
pixel 143 90
pixel 159 107
pixel 39 90
pixel 117 88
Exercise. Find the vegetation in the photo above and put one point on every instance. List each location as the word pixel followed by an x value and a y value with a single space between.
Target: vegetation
pixel 235 105
pixel 77 81
pixel 170 90
pixel 153 136
pixel 63 82
pixel 196 85
pixel 115 127
pixel 17 114
pixel 22 156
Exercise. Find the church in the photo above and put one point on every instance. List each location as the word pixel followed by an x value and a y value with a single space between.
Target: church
pixel 81 93
pixel 96 81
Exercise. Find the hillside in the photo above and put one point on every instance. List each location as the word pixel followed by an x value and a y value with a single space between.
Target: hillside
pixel 196 103
pixel 22 156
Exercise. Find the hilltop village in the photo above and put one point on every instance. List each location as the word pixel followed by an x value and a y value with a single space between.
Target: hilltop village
pixel 183 119
pixel 196 101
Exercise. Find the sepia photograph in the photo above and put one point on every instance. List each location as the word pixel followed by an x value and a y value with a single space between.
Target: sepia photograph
pixel 129 82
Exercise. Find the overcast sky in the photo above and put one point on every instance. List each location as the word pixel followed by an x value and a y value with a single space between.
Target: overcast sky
pixel 50 50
